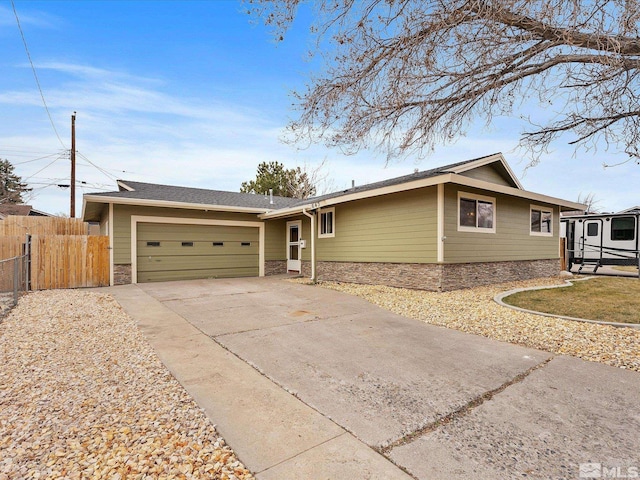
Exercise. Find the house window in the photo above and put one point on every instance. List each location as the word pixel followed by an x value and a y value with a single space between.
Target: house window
pixel 153 244
pixel 327 223
pixel 541 221
pixel 476 213
pixel 218 244
pixel 187 244
pixel 623 228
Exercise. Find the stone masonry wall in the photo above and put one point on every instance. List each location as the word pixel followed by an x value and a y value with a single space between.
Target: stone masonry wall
pixel 275 267
pixel 122 274
pixel 457 276
pixel 436 277
pixel 422 276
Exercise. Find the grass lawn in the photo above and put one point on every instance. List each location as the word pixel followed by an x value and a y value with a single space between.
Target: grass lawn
pixel 626 268
pixel 605 298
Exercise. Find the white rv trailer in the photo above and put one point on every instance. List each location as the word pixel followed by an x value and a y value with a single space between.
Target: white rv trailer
pixel 602 239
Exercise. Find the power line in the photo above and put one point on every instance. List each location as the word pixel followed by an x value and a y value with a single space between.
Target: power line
pixel 102 170
pixel 35 159
pixel 35 75
pixel 43 168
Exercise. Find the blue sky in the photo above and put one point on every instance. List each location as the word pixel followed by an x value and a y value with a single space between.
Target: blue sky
pixel 194 93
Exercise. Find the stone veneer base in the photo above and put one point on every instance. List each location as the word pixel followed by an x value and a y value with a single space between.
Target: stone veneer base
pixel 122 274
pixel 437 277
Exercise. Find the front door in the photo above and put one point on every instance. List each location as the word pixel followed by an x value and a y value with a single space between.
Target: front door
pixel 293 246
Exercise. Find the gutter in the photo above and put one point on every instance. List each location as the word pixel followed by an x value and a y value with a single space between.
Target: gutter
pixel 312 217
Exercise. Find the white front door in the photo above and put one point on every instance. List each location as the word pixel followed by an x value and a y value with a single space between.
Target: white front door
pixel 294 229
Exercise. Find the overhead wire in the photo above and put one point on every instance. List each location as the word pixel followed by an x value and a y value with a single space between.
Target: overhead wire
pixel 100 169
pixel 35 74
pixel 34 159
pixel 43 168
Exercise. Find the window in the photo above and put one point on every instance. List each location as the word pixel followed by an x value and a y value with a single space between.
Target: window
pixel 327 223
pixel 218 244
pixel 153 244
pixel 592 229
pixel 541 221
pixel 245 244
pixel 187 244
pixel 476 213
pixel 623 228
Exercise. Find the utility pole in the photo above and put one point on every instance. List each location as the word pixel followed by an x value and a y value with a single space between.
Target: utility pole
pixel 73 166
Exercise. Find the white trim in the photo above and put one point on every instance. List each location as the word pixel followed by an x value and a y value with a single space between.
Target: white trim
pixel 289 243
pixel 312 219
pixel 440 219
pixel 481 162
pixel 495 188
pixel 425 182
pixel 541 209
pixel 483 198
pixel 171 204
pixel 135 219
pixel 331 210
pixel 111 253
pixel 122 184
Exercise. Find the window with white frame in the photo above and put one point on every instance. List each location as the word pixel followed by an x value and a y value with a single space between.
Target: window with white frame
pixel 476 213
pixel 327 223
pixel 541 220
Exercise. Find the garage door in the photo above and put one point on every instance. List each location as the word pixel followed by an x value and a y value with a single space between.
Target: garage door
pixel 184 252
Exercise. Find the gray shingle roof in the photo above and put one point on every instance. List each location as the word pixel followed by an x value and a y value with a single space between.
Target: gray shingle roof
pixel 434 172
pixel 150 191
pixel 171 193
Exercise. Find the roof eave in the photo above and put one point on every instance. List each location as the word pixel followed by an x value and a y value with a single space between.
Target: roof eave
pixel 516 192
pixel 170 204
pixel 496 157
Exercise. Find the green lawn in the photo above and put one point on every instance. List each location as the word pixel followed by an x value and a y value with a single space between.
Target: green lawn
pixel 608 299
pixel 626 268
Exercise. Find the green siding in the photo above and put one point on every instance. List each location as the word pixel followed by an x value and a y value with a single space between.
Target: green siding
pixel 171 259
pixel 512 240
pixel 488 174
pixel 122 224
pixel 400 227
pixel 276 238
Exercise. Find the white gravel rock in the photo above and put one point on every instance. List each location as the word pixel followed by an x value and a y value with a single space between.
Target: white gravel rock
pixel 82 395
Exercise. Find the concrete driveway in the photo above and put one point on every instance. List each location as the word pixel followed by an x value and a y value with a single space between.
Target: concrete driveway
pixel 305 382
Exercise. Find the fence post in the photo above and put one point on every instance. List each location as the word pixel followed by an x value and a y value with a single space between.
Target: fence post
pixel 27 263
pixel 16 278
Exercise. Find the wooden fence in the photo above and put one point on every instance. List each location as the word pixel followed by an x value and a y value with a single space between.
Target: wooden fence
pixel 11 246
pixel 63 261
pixel 19 226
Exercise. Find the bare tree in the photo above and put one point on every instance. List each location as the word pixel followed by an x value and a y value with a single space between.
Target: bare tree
pixel 406 75
pixel 590 200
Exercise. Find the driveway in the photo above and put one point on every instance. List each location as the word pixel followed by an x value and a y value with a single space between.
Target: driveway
pixel 331 386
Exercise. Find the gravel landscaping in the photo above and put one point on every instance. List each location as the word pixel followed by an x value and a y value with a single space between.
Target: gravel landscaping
pixel 474 311
pixel 82 395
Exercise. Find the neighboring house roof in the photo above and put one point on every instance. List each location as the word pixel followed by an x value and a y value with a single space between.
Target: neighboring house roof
pixel 635 209
pixel 139 193
pixel 21 210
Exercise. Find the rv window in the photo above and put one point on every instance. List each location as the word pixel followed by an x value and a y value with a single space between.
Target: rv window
pixel 592 229
pixel 623 228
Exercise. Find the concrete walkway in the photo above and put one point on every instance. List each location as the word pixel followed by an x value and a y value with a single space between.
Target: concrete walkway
pixel 305 382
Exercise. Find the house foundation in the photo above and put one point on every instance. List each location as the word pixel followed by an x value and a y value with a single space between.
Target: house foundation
pixel 437 277
pixel 122 274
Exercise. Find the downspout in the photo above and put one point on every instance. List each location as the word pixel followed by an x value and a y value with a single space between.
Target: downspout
pixel 312 217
